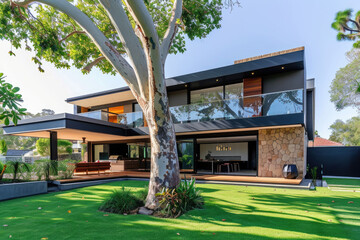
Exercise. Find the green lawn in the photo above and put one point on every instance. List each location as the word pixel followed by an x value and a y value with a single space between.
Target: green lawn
pixel 343 184
pixel 231 212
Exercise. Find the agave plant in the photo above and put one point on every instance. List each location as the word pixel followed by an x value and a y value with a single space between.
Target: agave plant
pixel 17 167
pixel 177 201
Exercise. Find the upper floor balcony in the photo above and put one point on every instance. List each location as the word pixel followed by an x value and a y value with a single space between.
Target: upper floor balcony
pixel 271 104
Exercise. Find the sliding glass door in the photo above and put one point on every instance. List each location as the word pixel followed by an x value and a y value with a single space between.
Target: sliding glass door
pixel 186 154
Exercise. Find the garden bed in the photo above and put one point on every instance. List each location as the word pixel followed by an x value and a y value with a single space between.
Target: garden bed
pixel 22 189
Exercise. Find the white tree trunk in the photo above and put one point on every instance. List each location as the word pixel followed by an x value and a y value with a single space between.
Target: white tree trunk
pixel 164 158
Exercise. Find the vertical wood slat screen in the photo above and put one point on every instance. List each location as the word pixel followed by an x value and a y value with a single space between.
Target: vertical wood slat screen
pixel 252 105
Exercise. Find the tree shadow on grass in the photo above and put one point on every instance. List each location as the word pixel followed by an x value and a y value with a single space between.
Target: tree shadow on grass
pixel 267 216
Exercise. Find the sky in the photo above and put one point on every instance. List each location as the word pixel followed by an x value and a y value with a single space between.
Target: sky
pixel 257 27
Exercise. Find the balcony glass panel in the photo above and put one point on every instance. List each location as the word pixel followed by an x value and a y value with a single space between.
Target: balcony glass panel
pixel 99 114
pixel 279 103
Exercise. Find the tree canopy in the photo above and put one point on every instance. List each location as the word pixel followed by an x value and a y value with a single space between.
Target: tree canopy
pixel 54 37
pixel 345 88
pixel 43 146
pixel 348 133
pixel 19 142
pixel 348 26
pixel 10 109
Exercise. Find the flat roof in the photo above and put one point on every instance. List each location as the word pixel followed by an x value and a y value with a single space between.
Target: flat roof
pixel 68 126
pixel 75 127
pixel 292 59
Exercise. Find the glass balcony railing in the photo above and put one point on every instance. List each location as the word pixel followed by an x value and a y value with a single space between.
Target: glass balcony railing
pixel 99 114
pixel 279 103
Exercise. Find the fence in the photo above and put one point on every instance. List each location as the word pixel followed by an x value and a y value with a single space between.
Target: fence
pixel 336 161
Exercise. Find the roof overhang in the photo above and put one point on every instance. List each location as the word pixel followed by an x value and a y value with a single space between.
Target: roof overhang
pixel 289 61
pixel 74 127
pixel 67 126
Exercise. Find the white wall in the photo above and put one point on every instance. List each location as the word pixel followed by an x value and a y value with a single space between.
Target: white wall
pixel 237 149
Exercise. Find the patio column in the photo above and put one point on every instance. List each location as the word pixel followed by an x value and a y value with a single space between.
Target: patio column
pixel 53 146
pixel 54 149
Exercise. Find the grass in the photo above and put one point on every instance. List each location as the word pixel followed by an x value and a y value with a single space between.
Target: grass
pixel 343 184
pixel 231 212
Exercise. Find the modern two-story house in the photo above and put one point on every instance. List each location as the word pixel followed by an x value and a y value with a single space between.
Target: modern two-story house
pixel 249 118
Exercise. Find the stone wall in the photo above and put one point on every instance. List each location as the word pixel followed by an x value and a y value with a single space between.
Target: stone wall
pixel 278 147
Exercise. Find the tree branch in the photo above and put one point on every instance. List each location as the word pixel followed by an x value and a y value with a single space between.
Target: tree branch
pixel 70 34
pixel 171 30
pixel 148 35
pixel 103 44
pixel 130 42
pixel 88 67
pixel 356 24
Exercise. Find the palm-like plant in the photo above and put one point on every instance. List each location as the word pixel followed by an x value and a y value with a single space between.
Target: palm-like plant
pixel 17 167
pixel 45 168
pixel 348 27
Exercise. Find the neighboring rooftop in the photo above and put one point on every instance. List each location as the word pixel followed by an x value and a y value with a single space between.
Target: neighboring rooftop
pixel 322 142
pixel 15 152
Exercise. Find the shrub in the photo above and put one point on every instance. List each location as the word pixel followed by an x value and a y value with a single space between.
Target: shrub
pixel 67 168
pixel 314 175
pixel 17 167
pixel 177 201
pixel 2 170
pixel 3 147
pixel 121 201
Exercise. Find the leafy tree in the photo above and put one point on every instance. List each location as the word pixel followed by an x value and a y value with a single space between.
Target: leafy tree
pixel 345 88
pixel 3 147
pixel 22 143
pixel 43 146
pixel 348 133
pixel 88 33
pixel 348 26
pixel 316 133
pixel 10 99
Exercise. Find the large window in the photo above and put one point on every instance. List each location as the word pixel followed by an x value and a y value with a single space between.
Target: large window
pixel 234 104
pixel 207 95
pixel 134 151
pixel 113 112
pixel 101 152
pixel 234 91
pixel 186 153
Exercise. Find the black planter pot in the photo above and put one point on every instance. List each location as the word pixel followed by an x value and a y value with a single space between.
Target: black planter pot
pixel 290 171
